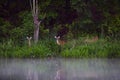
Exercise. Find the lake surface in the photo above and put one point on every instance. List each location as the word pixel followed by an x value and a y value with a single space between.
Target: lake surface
pixel 59 69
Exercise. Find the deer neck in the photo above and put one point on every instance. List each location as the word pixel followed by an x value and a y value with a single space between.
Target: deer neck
pixel 29 43
pixel 58 41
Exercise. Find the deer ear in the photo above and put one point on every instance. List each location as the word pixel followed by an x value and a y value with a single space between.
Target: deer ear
pixel 27 37
pixel 30 37
pixel 58 37
pixel 55 37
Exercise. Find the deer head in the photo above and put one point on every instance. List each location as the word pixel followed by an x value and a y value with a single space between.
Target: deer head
pixel 59 41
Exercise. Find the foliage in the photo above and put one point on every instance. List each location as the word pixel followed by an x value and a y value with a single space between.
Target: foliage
pixel 11 50
pixel 73 49
pixel 23 29
pixel 81 16
pixel 5 27
pixel 99 49
pixel 71 19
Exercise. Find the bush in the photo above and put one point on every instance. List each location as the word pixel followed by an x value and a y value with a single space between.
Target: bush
pixel 48 47
pixel 99 49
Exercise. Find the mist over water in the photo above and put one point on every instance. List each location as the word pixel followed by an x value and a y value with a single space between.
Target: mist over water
pixel 59 69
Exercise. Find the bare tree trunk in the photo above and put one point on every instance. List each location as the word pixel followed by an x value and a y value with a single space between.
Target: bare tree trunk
pixel 36 34
pixel 34 9
pixel 102 32
pixel 37 22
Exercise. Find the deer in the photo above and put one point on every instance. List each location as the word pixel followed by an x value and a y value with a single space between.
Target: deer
pixel 29 41
pixel 94 39
pixel 59 41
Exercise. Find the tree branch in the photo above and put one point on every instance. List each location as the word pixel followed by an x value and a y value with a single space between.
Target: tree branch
pixel 36 7
pixel 34 13
pixel 31 6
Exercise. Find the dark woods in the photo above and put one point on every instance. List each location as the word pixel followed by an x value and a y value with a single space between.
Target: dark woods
pixel 74 18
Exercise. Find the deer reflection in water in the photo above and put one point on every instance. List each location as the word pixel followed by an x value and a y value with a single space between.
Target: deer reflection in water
pixel 60 73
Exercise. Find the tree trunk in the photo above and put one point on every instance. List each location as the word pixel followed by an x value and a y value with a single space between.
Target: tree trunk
pixel 36 34
pixel 34 9
pixel 35 14
pixel 102 32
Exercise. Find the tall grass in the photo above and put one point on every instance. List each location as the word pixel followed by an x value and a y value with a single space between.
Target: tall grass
pixel 99 49
pixel 11 50
pixel 74 48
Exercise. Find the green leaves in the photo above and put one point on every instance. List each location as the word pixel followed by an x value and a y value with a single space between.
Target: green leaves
pixel 5 27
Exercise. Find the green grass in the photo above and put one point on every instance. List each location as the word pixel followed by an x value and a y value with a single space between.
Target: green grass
pixel 12 50
pixel 73 49
pixel 99 49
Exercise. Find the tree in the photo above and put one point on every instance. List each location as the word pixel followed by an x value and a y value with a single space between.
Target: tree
pixel 34 9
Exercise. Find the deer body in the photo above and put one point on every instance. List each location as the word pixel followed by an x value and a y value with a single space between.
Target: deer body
pixel 94 39
pixel 59 41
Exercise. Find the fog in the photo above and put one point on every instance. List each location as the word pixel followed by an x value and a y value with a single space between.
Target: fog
pixel 59 69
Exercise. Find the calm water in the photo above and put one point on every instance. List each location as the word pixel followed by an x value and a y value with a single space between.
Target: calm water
pixel 59 69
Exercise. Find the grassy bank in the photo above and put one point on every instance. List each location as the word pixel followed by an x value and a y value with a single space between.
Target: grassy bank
pixel 74 48
pixel 99 49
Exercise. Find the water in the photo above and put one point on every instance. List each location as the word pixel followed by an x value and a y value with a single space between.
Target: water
pixel 59 69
